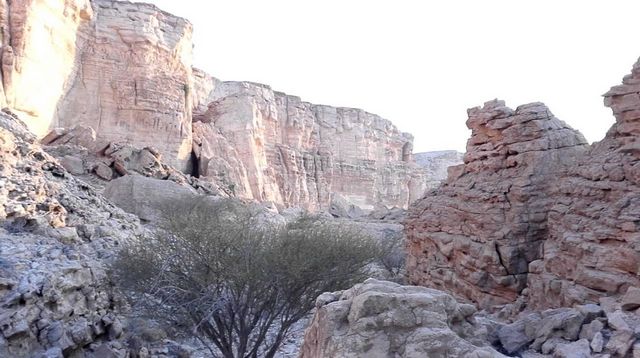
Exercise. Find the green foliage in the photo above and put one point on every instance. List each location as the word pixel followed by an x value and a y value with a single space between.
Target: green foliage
pixel 223 272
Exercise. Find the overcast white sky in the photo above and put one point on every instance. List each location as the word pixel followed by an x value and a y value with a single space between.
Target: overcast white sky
pixel 421 64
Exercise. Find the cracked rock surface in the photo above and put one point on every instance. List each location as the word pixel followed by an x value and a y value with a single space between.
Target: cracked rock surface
pixel 385 319
pixel 475 235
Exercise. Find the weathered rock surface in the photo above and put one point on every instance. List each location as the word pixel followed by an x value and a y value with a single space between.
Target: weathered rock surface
pixel 83 154
pixel 593 248
pixel 384 319
pixel 122 68
pixel 476 235
pixel 147 198
pixel 583 331
pixel 275 147
pixel 436 164
pixel 56 233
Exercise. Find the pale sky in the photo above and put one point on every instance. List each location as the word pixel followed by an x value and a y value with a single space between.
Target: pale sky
pixel 421 64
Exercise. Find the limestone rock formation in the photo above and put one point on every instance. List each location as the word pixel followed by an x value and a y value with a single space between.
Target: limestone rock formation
pixel 275 147
pixel 384 319
pixel 122 68
pixel 476 235
pixel 56 233
pixel 436 164
pixel 593 248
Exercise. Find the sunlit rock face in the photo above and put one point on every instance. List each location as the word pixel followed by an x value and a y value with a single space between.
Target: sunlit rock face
pixel 476 235
pixel 593 249
pixel 275 147
pixel 121 68
pixel 41 45
pixel 134 79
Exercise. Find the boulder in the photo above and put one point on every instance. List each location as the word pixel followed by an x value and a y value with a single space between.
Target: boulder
pixel 382 319
pixel 577 349
pixel 145 197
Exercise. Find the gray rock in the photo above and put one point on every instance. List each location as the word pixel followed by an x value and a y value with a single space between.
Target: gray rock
pixel 597 343
pixel 145 197
pixel 513 337
pixel 631 299
pixel 73 164
pixel 578 349
pixel 589 330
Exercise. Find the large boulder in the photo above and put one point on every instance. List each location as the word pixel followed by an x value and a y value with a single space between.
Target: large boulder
pixel 476 234
pixel 145 197
pixel 384 319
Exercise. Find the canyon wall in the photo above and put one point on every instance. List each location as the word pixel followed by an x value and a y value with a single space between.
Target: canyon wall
pixel 476 234
pixel 122 68
pixel 276 147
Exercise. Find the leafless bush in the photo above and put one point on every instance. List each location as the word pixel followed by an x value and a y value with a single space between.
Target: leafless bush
pixel 236 282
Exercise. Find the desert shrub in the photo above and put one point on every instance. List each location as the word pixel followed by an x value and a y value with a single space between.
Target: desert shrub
pixel 393 254
pixel 224 273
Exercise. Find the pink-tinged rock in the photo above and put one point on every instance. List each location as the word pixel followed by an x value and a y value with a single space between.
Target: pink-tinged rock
pixel 121 68
pixel 476 235
pixel 593 244
pixel 274 147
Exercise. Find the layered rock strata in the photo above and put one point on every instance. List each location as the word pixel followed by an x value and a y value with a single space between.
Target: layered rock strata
pixel 593 246
pixel 275 147
pixel 121 68
pixel 124 70
pixel 476 235
pixel 384 319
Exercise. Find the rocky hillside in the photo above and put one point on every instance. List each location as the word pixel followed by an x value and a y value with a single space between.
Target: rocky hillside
pixel 125 70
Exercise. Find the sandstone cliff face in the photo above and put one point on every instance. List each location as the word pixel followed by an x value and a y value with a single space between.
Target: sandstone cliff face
pixel 274 147
pixel 593 248
pixel 122 68
pixel 56 235
pixel 476 235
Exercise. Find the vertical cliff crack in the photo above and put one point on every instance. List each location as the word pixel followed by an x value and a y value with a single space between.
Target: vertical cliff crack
pixel 500 259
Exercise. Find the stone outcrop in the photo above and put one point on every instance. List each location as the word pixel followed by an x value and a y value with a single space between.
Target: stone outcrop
pixel 275 147
pixel 84 154
pixel 121 68
pixel 593 247
pixel 436 164
pixel 384 319
pixel 476 235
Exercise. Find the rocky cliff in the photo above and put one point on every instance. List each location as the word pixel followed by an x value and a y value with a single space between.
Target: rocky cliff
pixel 276 147
pixel 476 234
pixel 121 68
pixel 593 247
pixel 535 207
pixel 124 70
